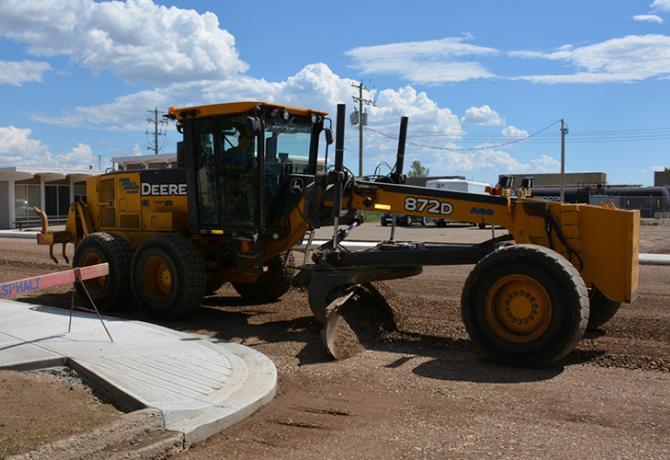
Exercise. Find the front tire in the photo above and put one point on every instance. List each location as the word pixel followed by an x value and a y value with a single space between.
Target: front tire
pixel 169 276
pixel 112 291
pixel 525 305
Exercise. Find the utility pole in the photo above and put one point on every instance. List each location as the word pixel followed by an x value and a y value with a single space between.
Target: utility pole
pixel 157 124
pixel 564 131
pixel 360 86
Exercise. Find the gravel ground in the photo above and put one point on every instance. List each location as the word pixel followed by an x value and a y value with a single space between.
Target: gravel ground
pixel 421 391
pixel 41 406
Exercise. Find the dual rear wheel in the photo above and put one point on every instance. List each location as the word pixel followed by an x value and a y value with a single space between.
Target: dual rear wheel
pixel 166 274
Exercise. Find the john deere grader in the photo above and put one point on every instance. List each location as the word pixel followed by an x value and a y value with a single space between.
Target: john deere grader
pixel 251 183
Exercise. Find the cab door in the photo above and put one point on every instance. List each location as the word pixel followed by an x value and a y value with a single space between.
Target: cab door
pixel 226 174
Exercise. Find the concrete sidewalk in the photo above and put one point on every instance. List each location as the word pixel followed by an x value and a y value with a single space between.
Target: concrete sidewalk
pixel 199 385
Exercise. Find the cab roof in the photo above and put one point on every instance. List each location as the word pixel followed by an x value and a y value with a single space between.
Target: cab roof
pixel 230 108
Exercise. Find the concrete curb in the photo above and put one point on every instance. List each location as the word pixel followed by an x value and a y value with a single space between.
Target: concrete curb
pixel 200 386
pixel 28 235
pixel 654 259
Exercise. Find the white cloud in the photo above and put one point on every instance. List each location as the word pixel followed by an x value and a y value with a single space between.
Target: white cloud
pixel 648 18
pixel 137 39
pixel 625 59
pixel 430 61
pixel 513 132
pixel 544 164
pixel 489 162
pixel 661 5
pixel 17 148
pixel 19 72
pixel 483 115
pixel 315 86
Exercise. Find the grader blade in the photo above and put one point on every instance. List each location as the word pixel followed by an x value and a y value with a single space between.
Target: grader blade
pixel 329 331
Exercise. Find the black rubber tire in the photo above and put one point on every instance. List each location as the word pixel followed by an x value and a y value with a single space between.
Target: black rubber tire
pixel 384 223
pixel 271 285
pixel 440 224
pixel 602 309
pixel 564 286
pixel 115 291
pixel 189 278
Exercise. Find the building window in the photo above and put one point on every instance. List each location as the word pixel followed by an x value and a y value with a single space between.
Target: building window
pixel 80 192
pixel 56 200
pixel 25 197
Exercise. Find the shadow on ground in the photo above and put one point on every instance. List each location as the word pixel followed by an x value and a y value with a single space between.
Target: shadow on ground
pixel 229 318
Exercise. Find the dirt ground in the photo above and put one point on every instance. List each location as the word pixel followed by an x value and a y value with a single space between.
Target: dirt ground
pixel 38 407
pixel 421 391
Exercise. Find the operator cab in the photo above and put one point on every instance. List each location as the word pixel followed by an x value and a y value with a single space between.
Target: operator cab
pixel 242 159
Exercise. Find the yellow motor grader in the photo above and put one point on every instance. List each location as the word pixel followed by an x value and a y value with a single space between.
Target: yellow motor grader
pixel 250 182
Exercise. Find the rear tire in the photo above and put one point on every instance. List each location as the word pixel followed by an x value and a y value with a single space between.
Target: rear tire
pixel 112 291
pixel 271 285
pixel 602 309
pixel 525 305
pixel 169 277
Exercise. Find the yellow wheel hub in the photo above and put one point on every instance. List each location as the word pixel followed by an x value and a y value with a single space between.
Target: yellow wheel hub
pixel 518 308
pixel 158 278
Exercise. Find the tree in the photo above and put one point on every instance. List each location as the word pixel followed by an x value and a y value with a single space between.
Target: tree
pixel 416 169
pixel 667 169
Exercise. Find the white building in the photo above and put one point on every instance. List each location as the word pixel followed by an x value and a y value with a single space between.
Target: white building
pixel 50 189
pixel 134 162
pixel 53 189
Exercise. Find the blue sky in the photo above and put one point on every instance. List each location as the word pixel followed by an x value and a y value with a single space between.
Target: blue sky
pixel 475 78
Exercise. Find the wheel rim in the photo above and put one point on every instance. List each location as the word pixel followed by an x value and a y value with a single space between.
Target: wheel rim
pixel 158 279
pixel 518 308
pixel 96 286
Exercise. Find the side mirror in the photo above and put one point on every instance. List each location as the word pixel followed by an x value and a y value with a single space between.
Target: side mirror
pixel 253 125
pixel 329 135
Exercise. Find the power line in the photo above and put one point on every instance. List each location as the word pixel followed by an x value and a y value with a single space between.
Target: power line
pixel 467 149
pixel 539 137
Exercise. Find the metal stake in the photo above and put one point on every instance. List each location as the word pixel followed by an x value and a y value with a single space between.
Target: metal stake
pixel 69 324
pixel 77 276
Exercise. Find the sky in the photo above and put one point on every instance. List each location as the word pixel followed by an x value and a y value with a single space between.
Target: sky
pixel 484 83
